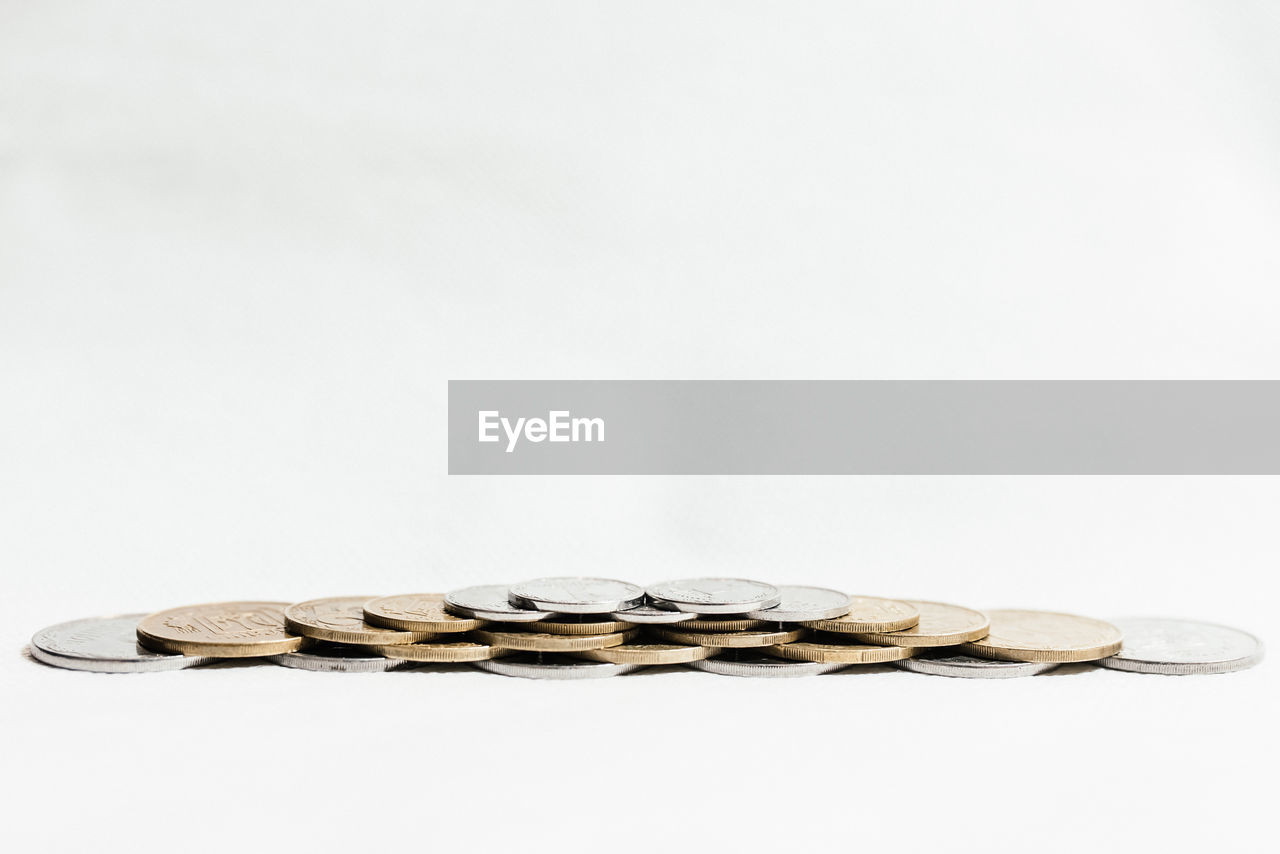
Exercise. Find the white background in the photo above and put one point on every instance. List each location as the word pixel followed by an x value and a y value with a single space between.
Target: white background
pixel 243 246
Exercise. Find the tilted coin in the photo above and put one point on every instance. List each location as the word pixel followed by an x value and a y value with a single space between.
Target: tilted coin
pixel 336 658
pixel 939 625
pixel 1182 647
pixel 553 667
pixel 756 665
pixel 727 623
pixel 650 614
pixel 731 640
pixel 647 653
pixel 105 645
pixel 220 629
pixel 417 612
pixel 870 614
pixel 805 603
pixel 940 663
pixel 442 651
pixel 573 595
pixel 840 652
pixel 546 642
pixel 569 624
pixel 1046 636
pixel 340 619
pixel 489 602
pixel 714 595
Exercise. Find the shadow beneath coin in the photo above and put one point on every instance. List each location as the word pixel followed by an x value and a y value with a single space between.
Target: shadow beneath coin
pixel 234 664
pixel 657 670
pixel 1072 669
pixel 432 668
pixel 863 670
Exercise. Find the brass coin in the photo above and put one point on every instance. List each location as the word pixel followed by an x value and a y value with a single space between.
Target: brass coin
pixel 731 640
pixel 563 625
pixel 871 614
pixel 1046 636
pixel 723 624
pixel 417 612
pixel 441 651
pixel 340 619
pixel 221 629
pixel 940 625
pixel 840 652
pixel 547 642
pixel 647 653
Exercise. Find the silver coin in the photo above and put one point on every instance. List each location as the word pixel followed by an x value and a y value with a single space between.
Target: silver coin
pixel 714 595
pixel 649 614
pixel 336 658
pixel 576 595
pixel 805 603
pixel 1182 647
pixel 490 602
pixel 105 645
pixel 969 667
pixel 546 666
pixel 754 664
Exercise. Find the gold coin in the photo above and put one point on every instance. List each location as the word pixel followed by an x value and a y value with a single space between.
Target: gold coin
pixel 647 653
pixel 565 626
pixel 441 651
pixel 871 614
pixel 840 652
pixel 340 619
pixel 940 625
pixel 417 612
pixel 221 629
pixel 723 624
pixel 1046 636
pixel 547 642
pixel 731 640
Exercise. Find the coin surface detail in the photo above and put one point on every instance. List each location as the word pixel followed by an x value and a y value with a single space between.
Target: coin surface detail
pixel 714 595
pixel 940 624
pixel 340 619
pixel 442 651
pixel 547 642
pixel 762 666
pixel 649 614
pixel 871 614
pixel 1018 635
pixel 417 612
pixel 566 624
pixel 805 603
pixel 727 623
pixel 489 602
pixel 105 645
pixel 969 667
pixel 836 652
pixel 730 640
pixel 1182 647
pixel 220 629
pixel 576 595
pixel 553 667
pixel 647 653
pixel 327 657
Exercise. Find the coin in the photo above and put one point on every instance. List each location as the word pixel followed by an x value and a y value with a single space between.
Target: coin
pixel 871 614
pixel 727 623
pixel 714 595
pixel 940 625
pixel 1182 647
pixel 748 664
pixel 547 642
pixel 805 603
pixel 1046 636
pixel 442 651
pixel 649 614
pixel 489 602
pixel 340 619
pixel 105 645
pixel 735 640
pixel 968 667
pixel 335 658
pixel 569 595
pixel 553 667
pixel 417 612
pixel 567 624
pixel 220 629
pixel 840 652
pixel 647 653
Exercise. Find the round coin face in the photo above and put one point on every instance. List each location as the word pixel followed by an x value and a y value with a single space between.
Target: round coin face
pixel 442 651
pixel 847 652
pixel 714 595
pixel 572 595
pixel 968 667
pixel 417 612
pixel 547 642
pixel 647 653
pixel 805 603
pixel 939 625
pixel 220 629
pixel 748 664
pixel 1045 636
pixel 105 645
pixel 335 658
pixel 870 614
pixel 489 602
pixel 651 615
pixel 1182 647
pixel 553 667
pixel 731 640
pixel 340 619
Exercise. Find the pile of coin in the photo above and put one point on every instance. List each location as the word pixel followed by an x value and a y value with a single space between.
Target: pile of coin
pixel 575 628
